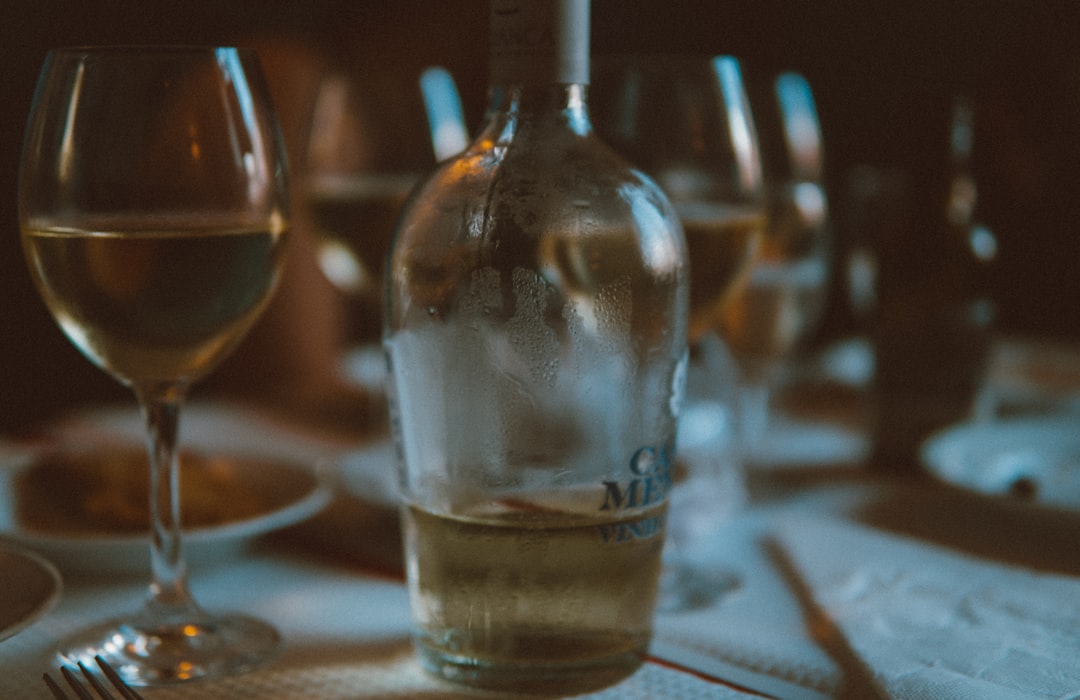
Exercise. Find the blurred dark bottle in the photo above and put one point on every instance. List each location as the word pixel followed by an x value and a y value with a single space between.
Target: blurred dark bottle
pixel 934 314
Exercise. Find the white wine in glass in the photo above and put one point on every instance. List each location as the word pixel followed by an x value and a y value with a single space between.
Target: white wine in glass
pixel 149 304
pixel 725 238
pixel 354 217
pixel 154 213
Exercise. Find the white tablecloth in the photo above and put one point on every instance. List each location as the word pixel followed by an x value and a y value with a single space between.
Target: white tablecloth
pixel 347 632
pixel 345 637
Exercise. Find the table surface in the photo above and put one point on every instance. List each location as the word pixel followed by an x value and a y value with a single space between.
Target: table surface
pixel 332 587
pixel 345 632
pixel 342 609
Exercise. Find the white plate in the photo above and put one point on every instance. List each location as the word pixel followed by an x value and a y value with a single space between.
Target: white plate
pixel 790 442
pixel 1032 460
pixel 29 588
pixel 1034 374
pixel 283 468
pixel 369 472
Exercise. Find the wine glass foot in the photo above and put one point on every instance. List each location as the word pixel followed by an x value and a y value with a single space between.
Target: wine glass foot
pixel 175 652
pixel 686 586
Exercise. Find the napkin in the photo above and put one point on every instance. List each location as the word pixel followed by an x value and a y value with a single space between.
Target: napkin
pixel 928 622
pixel 755 635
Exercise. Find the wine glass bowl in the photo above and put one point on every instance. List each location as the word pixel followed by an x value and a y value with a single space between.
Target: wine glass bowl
pixel 153 212
pixel 686 121
pixel 374 133
pixel 354 188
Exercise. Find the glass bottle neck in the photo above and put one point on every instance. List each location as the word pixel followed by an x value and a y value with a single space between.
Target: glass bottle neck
pixel 551 104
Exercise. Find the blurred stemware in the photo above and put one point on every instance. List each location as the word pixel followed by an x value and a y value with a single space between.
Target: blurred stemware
pixel 374 133
pixel 935 315
pixel 154 210
pixel 766 320
pixel 686 121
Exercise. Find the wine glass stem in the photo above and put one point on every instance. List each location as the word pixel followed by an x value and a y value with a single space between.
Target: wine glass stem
pixel 753 414
pixel 168 593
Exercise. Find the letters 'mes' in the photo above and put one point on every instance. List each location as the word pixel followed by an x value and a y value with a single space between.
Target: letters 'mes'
pixel 651 468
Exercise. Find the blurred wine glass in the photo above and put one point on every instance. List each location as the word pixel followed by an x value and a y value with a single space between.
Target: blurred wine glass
pixel 686 121
pixel 934 318
pixel 765 321
pixel 374 132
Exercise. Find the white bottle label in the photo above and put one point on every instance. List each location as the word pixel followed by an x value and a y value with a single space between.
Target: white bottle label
pixel 539 41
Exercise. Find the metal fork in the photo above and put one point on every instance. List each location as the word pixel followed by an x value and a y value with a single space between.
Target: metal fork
pixel 80 686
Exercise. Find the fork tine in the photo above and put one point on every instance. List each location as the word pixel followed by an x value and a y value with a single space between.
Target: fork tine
pixel 125 690
pixel 57 691
pixel 79 686
pixel 95 683
pixel 75 683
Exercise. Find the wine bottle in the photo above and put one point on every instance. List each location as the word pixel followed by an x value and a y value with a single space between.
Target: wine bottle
pixel 535 331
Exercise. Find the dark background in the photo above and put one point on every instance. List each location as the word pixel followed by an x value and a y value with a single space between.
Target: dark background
pixel 878 69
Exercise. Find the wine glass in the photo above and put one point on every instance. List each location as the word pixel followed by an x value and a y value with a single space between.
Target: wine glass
pixel 686 121
pixel 153 209
pixel 765 320
pixel 374 133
